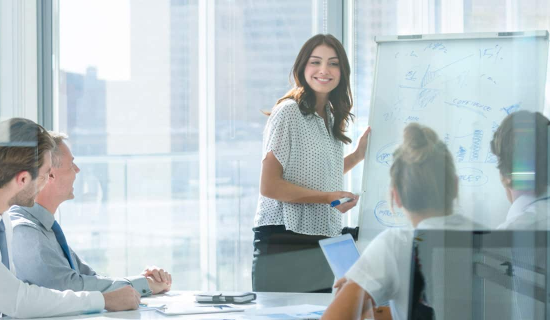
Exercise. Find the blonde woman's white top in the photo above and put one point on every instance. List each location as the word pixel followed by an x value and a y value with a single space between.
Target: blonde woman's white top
pixel 311 158
pixel 383 270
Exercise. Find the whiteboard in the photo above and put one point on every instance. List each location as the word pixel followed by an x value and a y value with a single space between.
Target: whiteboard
pixel 462 86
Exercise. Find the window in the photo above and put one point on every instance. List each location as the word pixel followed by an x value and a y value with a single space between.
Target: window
pixel 18 59
pixel 162 102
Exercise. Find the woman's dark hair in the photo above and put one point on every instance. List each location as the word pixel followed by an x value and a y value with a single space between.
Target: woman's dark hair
pixel 521 146
pixel 340 98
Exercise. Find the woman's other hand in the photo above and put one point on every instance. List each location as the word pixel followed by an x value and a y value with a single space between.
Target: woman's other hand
pixel 361 148
pixel 352 159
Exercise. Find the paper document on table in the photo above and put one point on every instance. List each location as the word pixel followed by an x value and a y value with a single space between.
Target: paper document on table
pixel 175 309
pixel 298 312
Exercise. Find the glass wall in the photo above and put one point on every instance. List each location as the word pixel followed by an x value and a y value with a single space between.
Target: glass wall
pixel 382 18
pixel 430 84
pixel 162 101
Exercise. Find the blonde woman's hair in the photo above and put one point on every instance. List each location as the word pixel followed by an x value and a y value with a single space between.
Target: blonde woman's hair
pixel 423 172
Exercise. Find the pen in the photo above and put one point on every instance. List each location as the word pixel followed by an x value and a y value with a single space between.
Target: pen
pixel 220 306
pixel 343 200
pixel 145 305
pixel 339 202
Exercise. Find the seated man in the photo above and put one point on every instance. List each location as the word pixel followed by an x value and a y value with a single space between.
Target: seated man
pixel 521 146
pixel 40 250
pixel 25 162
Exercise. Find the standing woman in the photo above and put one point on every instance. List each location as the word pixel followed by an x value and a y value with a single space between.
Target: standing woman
pixel 302 172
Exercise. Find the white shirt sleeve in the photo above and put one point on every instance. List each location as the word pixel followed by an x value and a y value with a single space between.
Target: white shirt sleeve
pixel 377 270
pixel 21 300
pixel 277 133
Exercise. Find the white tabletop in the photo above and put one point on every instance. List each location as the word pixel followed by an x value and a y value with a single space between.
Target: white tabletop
pixel 264 300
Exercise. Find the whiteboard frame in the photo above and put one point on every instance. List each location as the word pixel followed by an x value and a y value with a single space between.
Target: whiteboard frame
pixel 430 37
pixel 367 154
pixel 459 36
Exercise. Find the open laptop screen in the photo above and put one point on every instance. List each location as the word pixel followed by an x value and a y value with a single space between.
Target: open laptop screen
pixel 341 253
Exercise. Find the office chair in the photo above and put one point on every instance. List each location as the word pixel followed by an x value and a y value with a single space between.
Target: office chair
pixel 482 274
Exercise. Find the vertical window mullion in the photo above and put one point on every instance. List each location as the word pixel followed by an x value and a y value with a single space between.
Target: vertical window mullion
pixel 334 13
pixel 348 40
pixel 44 63
pixel 55 66
pixel 452 16
pixel 207 156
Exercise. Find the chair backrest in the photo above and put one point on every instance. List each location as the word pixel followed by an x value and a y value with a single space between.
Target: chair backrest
pixel 483 274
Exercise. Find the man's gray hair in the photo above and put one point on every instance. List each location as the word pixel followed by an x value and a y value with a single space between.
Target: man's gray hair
pixel 58 138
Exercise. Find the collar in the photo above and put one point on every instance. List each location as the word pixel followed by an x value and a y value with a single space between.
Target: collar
pixel 327 111
pixel 518 207
pixel 330 117
pixel 42 215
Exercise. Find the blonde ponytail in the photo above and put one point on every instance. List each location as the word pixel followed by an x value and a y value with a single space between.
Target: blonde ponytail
pixel 423 172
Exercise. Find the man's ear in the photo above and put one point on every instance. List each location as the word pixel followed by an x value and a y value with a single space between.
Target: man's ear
pixel 396 198
pixel 51 176
pixel 22 178
pixel 506 181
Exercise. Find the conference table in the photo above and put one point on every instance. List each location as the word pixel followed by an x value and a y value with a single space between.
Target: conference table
pixel 264 300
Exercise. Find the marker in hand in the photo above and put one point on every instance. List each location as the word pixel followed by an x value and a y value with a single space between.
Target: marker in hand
pixel 343 200
pixel 339 202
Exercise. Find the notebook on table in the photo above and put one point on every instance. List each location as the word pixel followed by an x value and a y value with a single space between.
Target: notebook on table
pixel 225 297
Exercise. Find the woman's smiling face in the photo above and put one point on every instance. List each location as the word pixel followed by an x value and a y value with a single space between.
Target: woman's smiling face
pixel 322 72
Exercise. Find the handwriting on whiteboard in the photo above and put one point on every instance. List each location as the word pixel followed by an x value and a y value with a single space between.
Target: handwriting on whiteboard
pixel 386 217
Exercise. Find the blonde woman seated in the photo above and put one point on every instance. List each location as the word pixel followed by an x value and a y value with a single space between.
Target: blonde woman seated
pixel 424 185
